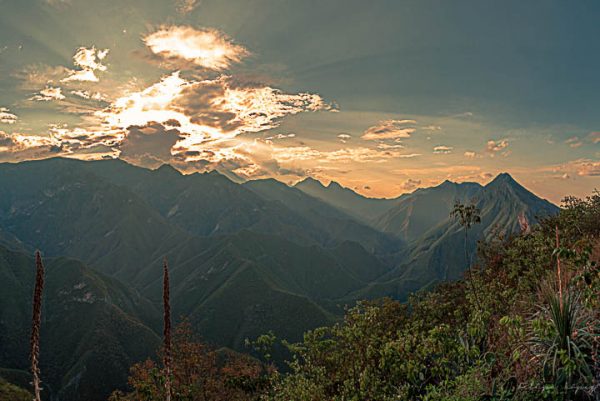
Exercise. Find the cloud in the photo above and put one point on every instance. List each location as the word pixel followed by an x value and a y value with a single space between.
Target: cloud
pixel 150 144
pixel 47 94
pixel 344 155
pixel 594 137
pixel 87 95
pixel 57 3
pixel 344 137
pixel 72 140
pixel 411 184
pixel 6 117
pixel 496 146
pixel 36 76
pixel 185 121
pixel 578 167
pixel 186 6
pixel 588 168
pixel 90 61
pixel 386 146
pixel 207 48
pixel 470 154
pixel 17 146
pixel 209 111
pixel 442 149
pixel 466 114
pixel 389 129
pixel 574 142
pixel 272 138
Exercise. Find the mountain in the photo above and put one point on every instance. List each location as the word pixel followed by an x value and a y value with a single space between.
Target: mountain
pixel 436 250
pixel 232 285
pixel 336 223
pixel 362 208
pixel 425 210
pixel 211 204
pixel 93 327
pixel 64 210
pixel 244 258
pixel 416 213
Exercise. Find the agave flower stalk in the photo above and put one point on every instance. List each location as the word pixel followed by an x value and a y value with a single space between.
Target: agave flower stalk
pixel 558 270
pixel 167 330
pixel 36 321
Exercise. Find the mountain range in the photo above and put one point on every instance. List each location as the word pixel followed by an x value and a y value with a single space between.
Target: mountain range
pixel 245 258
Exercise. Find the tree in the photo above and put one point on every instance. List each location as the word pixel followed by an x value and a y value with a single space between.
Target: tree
pixel 467 216
pixel 199 373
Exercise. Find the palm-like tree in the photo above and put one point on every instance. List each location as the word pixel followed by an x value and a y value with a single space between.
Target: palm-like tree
pixel 467 216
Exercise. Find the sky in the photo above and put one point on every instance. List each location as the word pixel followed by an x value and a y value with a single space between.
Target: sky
pixel 382 96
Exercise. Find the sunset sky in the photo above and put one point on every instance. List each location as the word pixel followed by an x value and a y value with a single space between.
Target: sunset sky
pixel 381 96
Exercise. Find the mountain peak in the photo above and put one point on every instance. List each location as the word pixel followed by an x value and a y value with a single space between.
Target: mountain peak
pixel 447 184
pixel 334 185
pixel 503 178
pixel 167 169
pixel 310 181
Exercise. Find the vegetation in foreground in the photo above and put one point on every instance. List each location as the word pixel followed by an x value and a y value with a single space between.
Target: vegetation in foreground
pixel 524 324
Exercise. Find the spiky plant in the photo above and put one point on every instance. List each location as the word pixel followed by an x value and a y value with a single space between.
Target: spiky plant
pixel 561 340
pixel 36 321
pixel 167 330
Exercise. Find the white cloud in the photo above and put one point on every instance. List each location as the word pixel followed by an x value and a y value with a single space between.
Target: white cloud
pixel 6 117
pixel 344 137
pixel 186 6
pixel 497 146
pixel 48 93
pixel 574 142
pixel 442 149
pixel 88 95
pixel 389 129
pixel 209 111
pixel 206 48
pixel 90 61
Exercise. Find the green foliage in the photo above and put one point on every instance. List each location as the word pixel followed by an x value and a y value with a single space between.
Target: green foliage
pixel 10 392
pixel 199 373
pixel 522 340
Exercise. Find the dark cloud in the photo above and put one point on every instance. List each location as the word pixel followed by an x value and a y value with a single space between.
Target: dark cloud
pixel 149 145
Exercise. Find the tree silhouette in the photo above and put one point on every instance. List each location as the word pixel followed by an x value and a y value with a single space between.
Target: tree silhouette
pixel 467 216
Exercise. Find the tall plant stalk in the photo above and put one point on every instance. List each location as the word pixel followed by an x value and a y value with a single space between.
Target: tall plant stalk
pixel 558 270
pixel 167 330
pixel 36 321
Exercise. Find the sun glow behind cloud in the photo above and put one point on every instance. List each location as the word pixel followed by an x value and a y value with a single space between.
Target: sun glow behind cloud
pixel 89 60
pixel 207 112
pixel 181 95
pixel 206 48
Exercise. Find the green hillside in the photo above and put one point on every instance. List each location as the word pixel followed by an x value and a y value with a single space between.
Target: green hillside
pixel 362 208
pixel 93 327
pixel 244 257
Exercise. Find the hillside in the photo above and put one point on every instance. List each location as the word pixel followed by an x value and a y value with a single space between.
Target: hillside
pixel 438 252
pixel 363 208
pixel 243 257
pixel 93 327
